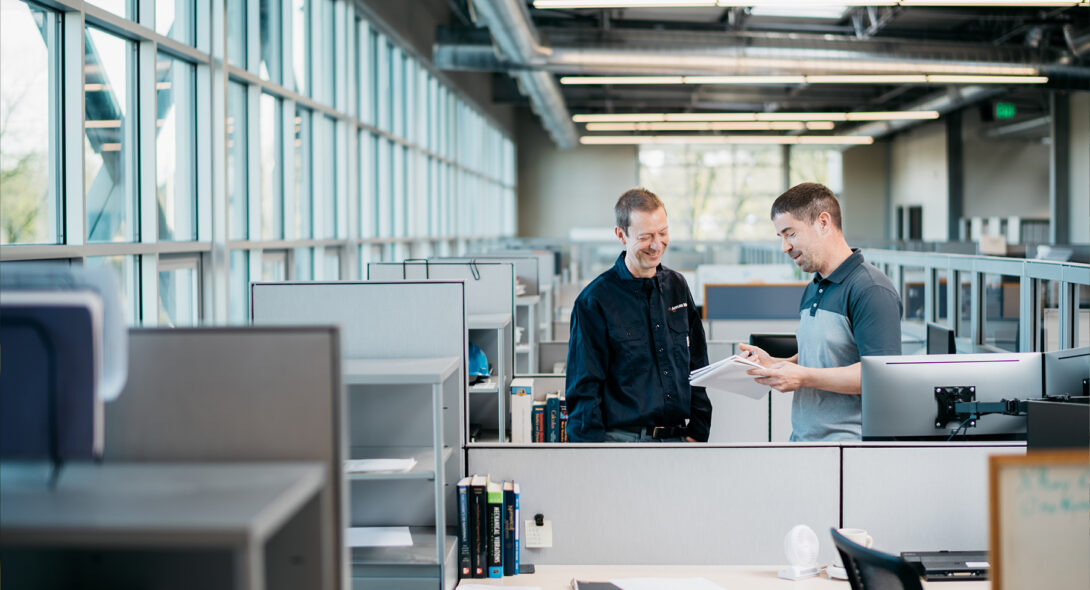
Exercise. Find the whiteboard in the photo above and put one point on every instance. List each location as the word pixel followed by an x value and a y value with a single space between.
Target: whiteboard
pixel 1040 520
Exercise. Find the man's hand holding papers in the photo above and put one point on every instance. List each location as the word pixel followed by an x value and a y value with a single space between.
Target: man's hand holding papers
pixel 730 374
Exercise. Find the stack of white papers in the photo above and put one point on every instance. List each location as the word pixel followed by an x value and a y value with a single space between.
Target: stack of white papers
pixel 379 536
pixel 378 465
pixel 665 584
pixel 730 375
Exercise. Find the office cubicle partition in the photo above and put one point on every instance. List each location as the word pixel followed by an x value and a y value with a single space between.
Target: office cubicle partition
pixel 214 395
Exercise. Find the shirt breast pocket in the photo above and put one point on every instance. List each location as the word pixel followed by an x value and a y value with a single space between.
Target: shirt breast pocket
pixel 625 337
pixel 678 323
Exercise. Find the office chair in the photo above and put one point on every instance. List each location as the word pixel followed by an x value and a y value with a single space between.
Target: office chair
pixel 777 345
pixel 869 569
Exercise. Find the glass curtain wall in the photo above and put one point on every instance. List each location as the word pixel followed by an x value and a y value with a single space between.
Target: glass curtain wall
pixel 313 145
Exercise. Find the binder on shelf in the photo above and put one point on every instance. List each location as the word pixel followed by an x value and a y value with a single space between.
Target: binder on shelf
pixel 552 409
pixel 510 524
pixel 465 563
pixel 478 518
pixel 495 530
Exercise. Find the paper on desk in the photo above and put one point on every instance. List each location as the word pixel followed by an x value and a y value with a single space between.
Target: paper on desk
pixel 378 465
pixel 730 375
pixel 665 584
pixel 379 536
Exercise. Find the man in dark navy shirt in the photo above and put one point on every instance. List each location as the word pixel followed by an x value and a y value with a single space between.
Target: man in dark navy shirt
pixel 635 335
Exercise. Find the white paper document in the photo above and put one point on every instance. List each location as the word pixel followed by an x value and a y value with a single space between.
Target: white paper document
pixel 665 584
pixel 379 536
pixel 378 465
pixel 730 375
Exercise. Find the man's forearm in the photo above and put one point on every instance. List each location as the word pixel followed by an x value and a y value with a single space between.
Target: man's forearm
pixel 846 380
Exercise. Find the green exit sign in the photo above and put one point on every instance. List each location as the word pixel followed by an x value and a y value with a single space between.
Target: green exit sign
pixel 1005 110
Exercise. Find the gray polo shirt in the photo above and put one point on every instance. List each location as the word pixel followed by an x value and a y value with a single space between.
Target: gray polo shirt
pixel 853 312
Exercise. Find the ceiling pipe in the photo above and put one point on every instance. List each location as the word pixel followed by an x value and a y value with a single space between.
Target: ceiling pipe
pixel 516 40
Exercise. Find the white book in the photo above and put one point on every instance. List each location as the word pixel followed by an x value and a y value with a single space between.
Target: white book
pixel 730 375
pixel 379 465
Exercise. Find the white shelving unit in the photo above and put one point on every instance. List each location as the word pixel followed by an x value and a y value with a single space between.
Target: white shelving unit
pixel 386 398
pixel 493 333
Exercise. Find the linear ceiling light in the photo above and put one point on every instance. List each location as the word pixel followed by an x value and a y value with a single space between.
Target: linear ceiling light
pixel 800 4
pixel 736 117
pixel 811 79
pixel 731 139
pixel 739 126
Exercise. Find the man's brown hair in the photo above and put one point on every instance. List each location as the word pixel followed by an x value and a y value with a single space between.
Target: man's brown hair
pixel 635 199
pixel 807 201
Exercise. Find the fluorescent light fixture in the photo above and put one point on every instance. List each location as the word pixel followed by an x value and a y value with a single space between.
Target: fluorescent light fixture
pixel 741 117
pixel 727 139
pixel 955 79
pixel 802 8
pixel 709 126
pixel 1025 76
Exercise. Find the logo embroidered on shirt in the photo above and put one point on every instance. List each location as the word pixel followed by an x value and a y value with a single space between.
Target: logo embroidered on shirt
pixel 678 306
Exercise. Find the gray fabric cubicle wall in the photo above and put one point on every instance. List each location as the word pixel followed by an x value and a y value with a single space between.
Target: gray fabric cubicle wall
pixel 733 504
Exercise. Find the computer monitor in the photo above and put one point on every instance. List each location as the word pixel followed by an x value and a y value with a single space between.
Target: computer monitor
pixel 1066 371
pixel 899 400
pixel 940 339
pixel 777 345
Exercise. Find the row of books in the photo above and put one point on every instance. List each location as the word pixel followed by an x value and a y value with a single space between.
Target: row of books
pixel 488 527
pixel 538 410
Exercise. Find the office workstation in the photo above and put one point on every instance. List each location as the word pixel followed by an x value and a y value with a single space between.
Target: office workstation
pixel 279 279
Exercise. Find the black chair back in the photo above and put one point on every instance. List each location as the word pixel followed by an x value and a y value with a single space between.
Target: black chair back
pixel 873 570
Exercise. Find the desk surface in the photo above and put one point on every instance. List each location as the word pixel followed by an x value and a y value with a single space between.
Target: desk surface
pixel 730 577
pixel 163 505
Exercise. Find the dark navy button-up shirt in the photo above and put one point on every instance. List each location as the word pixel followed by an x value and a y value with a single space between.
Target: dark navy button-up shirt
pixel 633 343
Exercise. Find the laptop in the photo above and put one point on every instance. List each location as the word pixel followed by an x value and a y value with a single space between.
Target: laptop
pixel 949 565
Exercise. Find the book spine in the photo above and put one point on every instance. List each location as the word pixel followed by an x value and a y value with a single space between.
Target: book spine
pixel 553 407
pixel 465 564
pixel 539 423
pixel 510 568
pixel 479 530
pixel 563 421
pixel 495 539
pixel 518 515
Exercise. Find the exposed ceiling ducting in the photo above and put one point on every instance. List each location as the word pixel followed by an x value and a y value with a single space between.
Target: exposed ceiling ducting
pixel 516 40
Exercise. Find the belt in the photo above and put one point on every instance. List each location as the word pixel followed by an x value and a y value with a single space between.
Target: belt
pixel 655 432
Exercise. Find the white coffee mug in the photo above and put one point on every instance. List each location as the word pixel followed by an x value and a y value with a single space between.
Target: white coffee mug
pixel 857 536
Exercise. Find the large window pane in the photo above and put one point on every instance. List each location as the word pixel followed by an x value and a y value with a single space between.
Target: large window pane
pixel 271 46
pixel 332 264
pixel 29 209
pixel 1001 310
pixel 715 192
pixel 175 149
pixel 304 264
pixel 237 184
pixel 816 164
pixel 236 33
pixel 300 45
pixel 178 296
pixel 118 7
pixel 109 165
pixel 125 268
pixel 240 286
pixel 304 199
pixel 328 59
pixel 174 19
pixel 272 198
pixel 326 173
pixel 274 265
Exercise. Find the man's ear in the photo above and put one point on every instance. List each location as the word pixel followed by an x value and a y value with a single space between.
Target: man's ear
pixel 620 234
pixel 825 222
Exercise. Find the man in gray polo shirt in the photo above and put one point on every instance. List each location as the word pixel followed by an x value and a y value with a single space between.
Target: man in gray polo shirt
pixel 849 310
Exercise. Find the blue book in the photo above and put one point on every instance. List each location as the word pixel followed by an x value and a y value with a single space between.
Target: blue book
pixel 518 515
pixel 552 420
pixel 465 561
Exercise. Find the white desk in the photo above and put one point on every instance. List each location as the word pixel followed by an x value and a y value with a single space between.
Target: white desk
pixel 233 507
pixel 730 577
